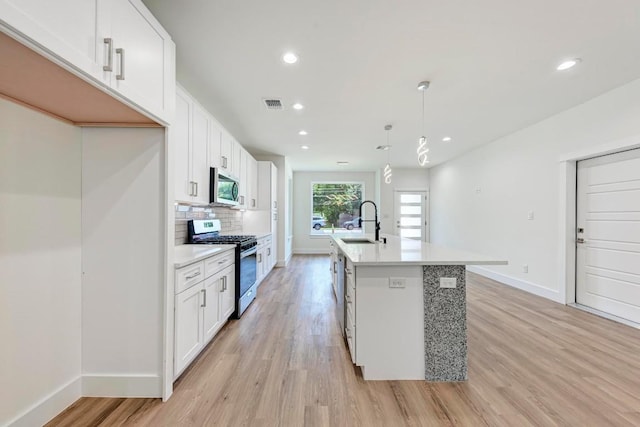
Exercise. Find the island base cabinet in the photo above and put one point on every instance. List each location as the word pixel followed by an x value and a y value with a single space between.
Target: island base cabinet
pixel 389 323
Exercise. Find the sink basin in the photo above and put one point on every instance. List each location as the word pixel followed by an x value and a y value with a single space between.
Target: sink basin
pixel 357 240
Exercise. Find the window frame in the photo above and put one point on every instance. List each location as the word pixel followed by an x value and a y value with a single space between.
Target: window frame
pixel 323 235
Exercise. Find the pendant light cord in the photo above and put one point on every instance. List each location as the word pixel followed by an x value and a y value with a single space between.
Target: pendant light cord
pixel 423 113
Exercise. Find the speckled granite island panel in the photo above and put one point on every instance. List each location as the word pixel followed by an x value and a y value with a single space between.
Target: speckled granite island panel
pixel 445 324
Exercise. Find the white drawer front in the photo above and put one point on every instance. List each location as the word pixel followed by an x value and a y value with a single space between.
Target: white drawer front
pixel 189 276
pixel 216 263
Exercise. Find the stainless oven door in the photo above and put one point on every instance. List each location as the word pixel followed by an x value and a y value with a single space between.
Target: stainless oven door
pixel 248 269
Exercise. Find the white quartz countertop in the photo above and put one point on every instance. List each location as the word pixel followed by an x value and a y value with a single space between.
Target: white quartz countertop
pixel 399 251
pixel 188 254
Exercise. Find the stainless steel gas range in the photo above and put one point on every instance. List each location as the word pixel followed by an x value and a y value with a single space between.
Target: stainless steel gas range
pixel 207 232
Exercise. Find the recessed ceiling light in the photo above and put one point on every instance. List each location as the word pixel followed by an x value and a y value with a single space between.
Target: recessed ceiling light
pixel 302 132
pixel 290 58
pixel 343 163
pixel 569 63
pixel 304 147
pixel 446 139
pixel 297 106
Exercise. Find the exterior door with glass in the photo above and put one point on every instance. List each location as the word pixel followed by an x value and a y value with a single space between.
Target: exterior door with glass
pixel 412 214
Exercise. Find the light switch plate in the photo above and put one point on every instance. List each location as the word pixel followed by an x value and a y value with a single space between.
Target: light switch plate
pixel 448 282
pixel 397 282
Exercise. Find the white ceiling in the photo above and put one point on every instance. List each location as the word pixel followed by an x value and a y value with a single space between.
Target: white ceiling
pixel 491 65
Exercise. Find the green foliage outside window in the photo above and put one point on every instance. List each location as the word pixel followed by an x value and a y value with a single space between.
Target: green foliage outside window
pixel 336 203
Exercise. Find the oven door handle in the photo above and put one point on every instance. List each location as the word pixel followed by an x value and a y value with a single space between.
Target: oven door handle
pixel 249 252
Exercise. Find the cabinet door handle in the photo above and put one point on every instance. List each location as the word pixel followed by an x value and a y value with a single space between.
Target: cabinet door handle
pixel 109 42
pixel 120 51
pixel 268 251
pixel 253 203
pixel 335 270
pixel 196 186
pixel 196 274
pixel 204 296
pixel 259 257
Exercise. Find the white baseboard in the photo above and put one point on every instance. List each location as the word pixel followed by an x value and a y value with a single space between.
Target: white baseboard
pixel 532 288
pixel 605 315
pixel 285 262
pixel 46 409
pixel 305 251
pixel 121 386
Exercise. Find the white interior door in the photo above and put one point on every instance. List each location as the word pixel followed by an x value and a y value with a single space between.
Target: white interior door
pixel 608 234
pixel 412 214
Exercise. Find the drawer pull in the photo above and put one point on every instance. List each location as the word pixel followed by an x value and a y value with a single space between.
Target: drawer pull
pixel 196 274
pixel 204 297
pixel 223 261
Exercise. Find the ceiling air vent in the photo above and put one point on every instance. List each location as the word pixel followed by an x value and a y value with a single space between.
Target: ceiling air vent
pixel 273 104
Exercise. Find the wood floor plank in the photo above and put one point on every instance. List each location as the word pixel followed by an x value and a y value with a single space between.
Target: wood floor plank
pixel 532 362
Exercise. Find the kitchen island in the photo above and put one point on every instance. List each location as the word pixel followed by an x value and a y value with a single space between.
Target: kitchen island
pixel 402 305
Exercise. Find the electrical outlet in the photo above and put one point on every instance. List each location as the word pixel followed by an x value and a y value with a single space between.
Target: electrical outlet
pixel 397 282
pixel 448 282
pixel 525 268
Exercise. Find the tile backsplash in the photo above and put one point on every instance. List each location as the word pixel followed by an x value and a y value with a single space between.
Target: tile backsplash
pixel 230 219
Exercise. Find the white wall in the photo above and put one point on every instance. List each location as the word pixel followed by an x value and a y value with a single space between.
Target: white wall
pixel 402 179
pixel 303 241
pixel 40 315
pixel 123 214
pixel 480 201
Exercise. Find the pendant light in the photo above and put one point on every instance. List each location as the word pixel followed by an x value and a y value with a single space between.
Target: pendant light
pixel 387 169
pixel 423 148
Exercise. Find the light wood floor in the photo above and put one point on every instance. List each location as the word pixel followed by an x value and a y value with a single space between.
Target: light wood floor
pixel 531 362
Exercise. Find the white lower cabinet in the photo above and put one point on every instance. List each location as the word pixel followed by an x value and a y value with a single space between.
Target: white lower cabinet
pixel 189 339
pixel 265 257
pixel 203 307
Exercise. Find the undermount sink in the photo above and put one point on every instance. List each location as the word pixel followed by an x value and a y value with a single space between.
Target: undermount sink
pixel 357 240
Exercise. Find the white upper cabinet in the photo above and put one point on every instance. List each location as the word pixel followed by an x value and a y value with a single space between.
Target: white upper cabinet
pixel 65 28
pixel 141 52
pixel 236 159
pixel 268 187
pixel 226 152
pixel 199 160
pixel 252 183
pixel 179 134
pixel 241 173
pixel 190 137
pixel 116 44
pixel 215 141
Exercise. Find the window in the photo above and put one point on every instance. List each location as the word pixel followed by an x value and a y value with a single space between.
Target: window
pixel 335 207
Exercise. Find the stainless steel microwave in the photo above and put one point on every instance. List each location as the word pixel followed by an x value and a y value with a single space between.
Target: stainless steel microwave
pixel 223 188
